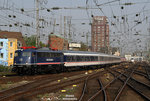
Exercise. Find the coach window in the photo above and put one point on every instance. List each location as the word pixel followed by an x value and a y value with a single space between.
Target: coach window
pixel 68 58
pixel 71 58
pixel 82 58
pixel 102 59
pixel 99 58
pixel 96 58
pixel 74 58
pixel 78 58
pixel 86 58
pixel 89 58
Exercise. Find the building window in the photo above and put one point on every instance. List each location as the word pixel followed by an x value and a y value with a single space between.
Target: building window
pixel 1 44
pixel 1 55
pixel 11 44
pixel 11 55
pixel 19 44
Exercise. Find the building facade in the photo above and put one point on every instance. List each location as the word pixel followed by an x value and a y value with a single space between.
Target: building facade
pixel 4 52
pixel 7 51
pixel 16 35
pixel 100 34
pixel 57 43
pixel 74 46
pixel 12 47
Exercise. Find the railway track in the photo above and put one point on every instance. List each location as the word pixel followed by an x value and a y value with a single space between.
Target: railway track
pixel 124 76
pixel 41 87
pixel 101 93
pixel 94 86
pixel 147 69
pixel 105 88
pixel 87 90
pixel 139 87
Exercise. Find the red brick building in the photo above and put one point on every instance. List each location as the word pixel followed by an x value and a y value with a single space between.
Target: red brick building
pixel 100 34
pixel 57 43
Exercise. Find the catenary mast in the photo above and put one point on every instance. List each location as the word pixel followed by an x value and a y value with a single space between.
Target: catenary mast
pixel 37 23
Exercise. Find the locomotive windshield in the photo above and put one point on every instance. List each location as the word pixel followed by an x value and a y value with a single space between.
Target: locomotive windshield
pixel 17 54
pixel 26 54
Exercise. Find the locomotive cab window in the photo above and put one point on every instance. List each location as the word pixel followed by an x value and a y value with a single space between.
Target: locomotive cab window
pixel 16 54
pixel 33 54
pixel 27 54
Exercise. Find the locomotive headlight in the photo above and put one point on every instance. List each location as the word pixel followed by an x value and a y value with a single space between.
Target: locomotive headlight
pixel 20 59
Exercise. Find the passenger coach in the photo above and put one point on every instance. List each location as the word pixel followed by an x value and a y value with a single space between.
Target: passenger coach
pixel 81 58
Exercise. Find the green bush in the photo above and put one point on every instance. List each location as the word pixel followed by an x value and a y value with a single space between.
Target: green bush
pixel 5 69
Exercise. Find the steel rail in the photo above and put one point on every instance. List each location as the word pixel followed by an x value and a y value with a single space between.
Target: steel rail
pixel 84 89
pixel 102 87
pixel 122 88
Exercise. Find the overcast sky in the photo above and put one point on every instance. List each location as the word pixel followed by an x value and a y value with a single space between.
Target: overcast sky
pixel 129 20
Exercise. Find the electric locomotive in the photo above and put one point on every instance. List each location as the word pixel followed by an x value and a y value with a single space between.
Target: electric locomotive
pixel 31 61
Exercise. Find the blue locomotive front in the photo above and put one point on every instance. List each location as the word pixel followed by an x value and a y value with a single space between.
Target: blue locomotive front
pixel 31 61
pixel 23 57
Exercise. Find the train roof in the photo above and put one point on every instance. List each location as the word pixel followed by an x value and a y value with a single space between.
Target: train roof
pixel 86 53
pixel 39 50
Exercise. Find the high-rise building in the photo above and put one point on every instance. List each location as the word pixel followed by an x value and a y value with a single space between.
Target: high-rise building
pixel 100 34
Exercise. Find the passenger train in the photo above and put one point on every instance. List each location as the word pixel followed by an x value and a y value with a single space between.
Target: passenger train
pixel 32 61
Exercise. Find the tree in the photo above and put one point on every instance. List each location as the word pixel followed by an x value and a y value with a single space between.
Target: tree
pixel 30 41
pixel 42 44
pixel 83 47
